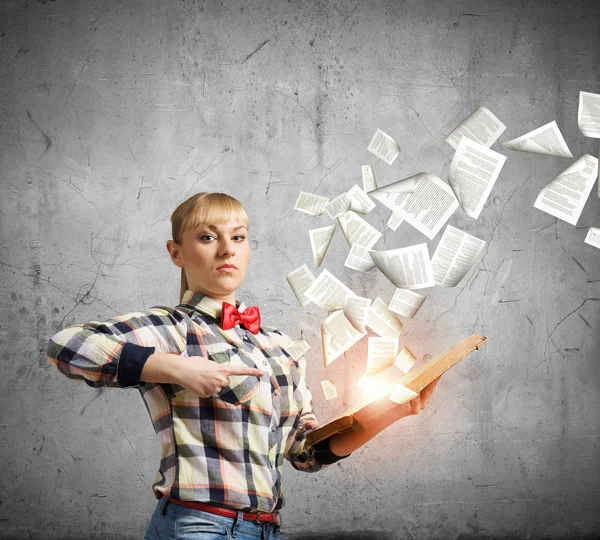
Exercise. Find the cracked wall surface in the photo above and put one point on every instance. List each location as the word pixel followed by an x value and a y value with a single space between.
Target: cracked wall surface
pixel 112 113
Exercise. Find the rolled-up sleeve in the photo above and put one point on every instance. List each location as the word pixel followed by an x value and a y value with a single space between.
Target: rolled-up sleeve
pixel 299 453
pixel 302 456
pixel 113 353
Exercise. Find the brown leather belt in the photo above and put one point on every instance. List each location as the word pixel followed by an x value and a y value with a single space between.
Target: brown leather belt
pixel 259 517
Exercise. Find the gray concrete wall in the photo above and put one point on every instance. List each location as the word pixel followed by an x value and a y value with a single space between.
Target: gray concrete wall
pixel 113 112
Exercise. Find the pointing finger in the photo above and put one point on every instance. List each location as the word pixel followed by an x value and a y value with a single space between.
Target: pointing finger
pixel 244 370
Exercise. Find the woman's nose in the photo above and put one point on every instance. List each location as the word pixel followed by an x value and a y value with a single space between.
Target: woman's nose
pixel 226 248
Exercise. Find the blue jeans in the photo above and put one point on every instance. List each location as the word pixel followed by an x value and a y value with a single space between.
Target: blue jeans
pixel 172 521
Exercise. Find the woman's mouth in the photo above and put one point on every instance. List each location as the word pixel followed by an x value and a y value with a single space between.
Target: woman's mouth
pixel 228 268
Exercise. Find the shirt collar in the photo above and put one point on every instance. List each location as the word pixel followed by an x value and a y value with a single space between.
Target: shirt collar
pixel 205 304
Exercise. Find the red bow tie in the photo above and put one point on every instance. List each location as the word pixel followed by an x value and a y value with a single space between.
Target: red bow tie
pixel 250 317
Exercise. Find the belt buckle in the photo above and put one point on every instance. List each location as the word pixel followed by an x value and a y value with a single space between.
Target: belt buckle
pixel 258 521
pixel 257 518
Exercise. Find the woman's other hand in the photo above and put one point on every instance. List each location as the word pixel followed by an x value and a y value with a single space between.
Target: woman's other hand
pixel 416 405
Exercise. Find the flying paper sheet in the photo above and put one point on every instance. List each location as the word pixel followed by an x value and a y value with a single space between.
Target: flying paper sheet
pixel 406 268
pixel 357 311
pixel 382 353
pixel 405 360
pixel 297 348
pixel 383 321
pixel 593 237
pixel 329 389
pixel 338 335
pixel 338 206
pixel 359 200
pixel 328 292
pixel 300 280
pixel 588 114
pixel 427 209
pixel 357 230
pixel 384 147
pixel 567 194
pixel 310 203
pixel 481 126
pixel 546 140
pixel 369 182
pixel 319 242
pixel 406 303
pixel 454 256
pixel 359 259
pixel 472 175
pixel 393 221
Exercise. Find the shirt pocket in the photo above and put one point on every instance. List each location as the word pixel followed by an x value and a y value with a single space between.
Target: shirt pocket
pixel 241 388
pixel 293 374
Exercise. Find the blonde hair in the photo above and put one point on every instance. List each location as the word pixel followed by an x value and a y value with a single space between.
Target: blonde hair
pixel 209 208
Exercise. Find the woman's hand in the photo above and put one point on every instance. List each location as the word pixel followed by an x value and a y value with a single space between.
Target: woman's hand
pixel 416 405
pixel 343 444
pixel 199 375
pixel 205 377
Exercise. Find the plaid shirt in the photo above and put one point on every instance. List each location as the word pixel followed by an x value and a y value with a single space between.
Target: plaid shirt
pixel 227 449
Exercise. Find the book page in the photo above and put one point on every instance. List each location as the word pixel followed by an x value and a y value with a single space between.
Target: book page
pixel 427 209
pixel 383 321
pixel 357 311
pixel 358 231
pixel 481 126
pixel 401 394
pixel 298 348
pixel 454 256
pixel 319 242
pixel 329 389
pixel 393 221
pixel 588 114
pixel 300 280
pixel 593 237
pixel 338 206
pixel 384 147
pixel 472 175
pixel 382 383
pixel 359 259
pixel 566 195
pixel 328 292
pixel 311 204
pixel 359 201
pixel 406 268
pixel 368 178
pixel 406 303
pixel 546 140
pixel 338 335
pixel 382 353
pixel 405 360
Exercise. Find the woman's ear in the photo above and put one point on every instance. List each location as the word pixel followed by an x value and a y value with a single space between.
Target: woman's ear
pixel 176 253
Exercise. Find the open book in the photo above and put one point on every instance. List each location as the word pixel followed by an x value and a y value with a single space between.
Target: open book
pixel 358 418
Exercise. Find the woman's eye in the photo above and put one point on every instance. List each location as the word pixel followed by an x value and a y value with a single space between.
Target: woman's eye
pixel 240 237
pixel 206 238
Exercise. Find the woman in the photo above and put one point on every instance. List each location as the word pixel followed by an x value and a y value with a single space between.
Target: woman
pixel 227 400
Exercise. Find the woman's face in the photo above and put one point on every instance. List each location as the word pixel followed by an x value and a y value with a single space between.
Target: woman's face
pixel 215 258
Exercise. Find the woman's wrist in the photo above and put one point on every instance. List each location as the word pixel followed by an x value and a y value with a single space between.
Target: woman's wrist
pixel 164 367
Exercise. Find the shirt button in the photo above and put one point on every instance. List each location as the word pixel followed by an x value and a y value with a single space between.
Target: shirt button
pixel 265 363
